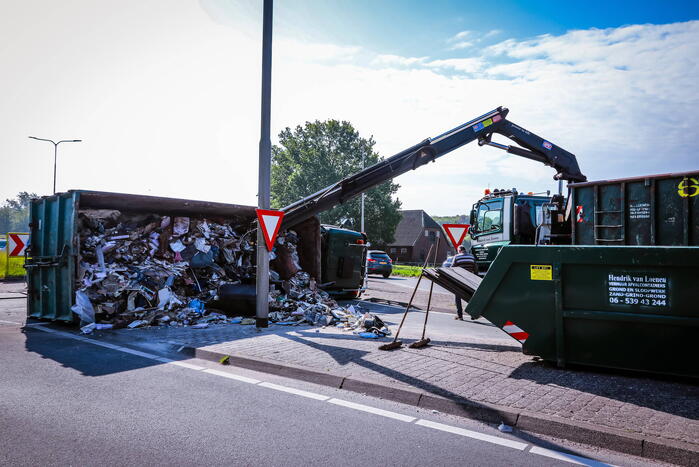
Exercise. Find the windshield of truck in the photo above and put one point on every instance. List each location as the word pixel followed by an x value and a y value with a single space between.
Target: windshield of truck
pixel 490 216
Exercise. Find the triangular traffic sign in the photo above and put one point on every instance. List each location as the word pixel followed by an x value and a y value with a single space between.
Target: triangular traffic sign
pixel 270 222
pixel 456 233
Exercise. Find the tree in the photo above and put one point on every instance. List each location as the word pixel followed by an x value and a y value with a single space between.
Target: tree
pixel 318 154
pixel 14 213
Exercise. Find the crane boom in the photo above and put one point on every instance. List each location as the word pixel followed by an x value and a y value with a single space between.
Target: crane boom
pixel 480 129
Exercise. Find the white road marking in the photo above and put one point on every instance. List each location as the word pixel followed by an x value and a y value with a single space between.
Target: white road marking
pixel 562 456
pixel 10 322
pixel 225 374
pixel 298 392
pixel 473 434
pixel 184 365
pixel 374 410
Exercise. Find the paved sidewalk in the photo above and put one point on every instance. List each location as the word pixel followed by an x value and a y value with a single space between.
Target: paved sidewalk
pixel 474 369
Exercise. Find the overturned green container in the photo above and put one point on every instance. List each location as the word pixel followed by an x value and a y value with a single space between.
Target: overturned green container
pixel 625 307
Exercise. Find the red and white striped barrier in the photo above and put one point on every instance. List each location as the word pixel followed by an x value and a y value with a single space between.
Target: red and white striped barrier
pixel 515 331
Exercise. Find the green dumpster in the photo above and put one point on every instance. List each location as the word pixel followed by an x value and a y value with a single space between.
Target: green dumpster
pixel 53 266
pixel 625 307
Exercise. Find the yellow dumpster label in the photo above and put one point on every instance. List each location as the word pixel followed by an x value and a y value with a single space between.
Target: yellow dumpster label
pixel 541 272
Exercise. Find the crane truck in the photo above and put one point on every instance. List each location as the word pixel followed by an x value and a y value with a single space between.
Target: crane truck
pixel 488 240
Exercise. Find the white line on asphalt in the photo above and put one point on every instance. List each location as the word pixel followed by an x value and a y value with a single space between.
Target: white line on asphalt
pixel 10 322
pixel 225 374
pixel 298 392
pixel 562 456
pixel 182 364
pixel 473 434
pixel 374 410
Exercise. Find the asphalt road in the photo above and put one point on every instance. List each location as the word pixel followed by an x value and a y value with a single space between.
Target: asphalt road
pixel 399 289
pixel 440 325
pixel 71 402
pixel 409 283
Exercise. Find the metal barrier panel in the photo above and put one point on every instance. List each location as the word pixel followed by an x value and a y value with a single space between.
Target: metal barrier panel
pixel 51 270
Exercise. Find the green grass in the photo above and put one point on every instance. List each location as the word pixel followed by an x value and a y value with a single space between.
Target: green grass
pixel 406 271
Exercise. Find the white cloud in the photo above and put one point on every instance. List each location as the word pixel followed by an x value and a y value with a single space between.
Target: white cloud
pixel 388 59
pixel 466 65
pixel 461 45
pixel 459 36
pixel 458 40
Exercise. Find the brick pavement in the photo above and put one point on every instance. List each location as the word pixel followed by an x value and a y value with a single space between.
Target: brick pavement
pixel 481 370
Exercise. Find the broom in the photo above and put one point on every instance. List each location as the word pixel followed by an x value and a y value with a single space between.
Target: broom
pixel 424 342
pixel 396 344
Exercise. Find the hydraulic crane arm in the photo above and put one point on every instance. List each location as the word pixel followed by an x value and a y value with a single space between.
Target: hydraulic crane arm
pixel 480 129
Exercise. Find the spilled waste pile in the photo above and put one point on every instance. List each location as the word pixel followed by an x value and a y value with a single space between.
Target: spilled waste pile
pixel 145 269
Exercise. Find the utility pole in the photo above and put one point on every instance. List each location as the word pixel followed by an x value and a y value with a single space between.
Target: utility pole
pixel 264 181
pixel 55 153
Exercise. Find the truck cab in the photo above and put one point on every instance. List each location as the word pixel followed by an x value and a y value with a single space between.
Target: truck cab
pixel 504 217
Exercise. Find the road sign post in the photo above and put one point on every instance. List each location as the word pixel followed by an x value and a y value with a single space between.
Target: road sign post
pixel 265 158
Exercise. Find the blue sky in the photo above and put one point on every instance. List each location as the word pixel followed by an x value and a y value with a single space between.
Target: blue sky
pixel 415 27
pixel 165 95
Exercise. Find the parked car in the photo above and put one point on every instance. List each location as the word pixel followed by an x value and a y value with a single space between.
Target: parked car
pixel 378 262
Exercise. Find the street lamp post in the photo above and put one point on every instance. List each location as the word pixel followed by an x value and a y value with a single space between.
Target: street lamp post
pixel 55 153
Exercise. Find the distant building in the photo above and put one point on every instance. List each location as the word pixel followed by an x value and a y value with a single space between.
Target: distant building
pixel 415 233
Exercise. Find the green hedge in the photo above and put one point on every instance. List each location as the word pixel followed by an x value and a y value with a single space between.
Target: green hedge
pixel 406 271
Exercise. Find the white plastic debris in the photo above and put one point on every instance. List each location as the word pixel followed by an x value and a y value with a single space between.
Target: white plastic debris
pixel 83 308
pixel 180 226
pixel 505 428
pixel 201 245
pixel 138 323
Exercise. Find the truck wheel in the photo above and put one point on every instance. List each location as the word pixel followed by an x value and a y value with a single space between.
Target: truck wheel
pixel 386 275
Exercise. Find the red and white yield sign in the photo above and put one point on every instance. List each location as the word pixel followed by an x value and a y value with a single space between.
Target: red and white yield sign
pixel 16 244
pixel 270 221
pixel 456 233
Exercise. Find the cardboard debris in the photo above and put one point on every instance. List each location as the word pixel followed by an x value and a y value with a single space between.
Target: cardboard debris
pixel 144 269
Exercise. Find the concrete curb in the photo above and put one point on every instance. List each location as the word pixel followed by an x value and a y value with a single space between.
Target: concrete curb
pixel 628 443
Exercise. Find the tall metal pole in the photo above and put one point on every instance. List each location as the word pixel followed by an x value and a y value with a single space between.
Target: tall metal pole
pixel 264 182
pixel 362 222
pixel 55 158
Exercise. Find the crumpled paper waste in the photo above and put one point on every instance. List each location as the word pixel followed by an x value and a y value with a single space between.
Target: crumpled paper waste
pixel 144 269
